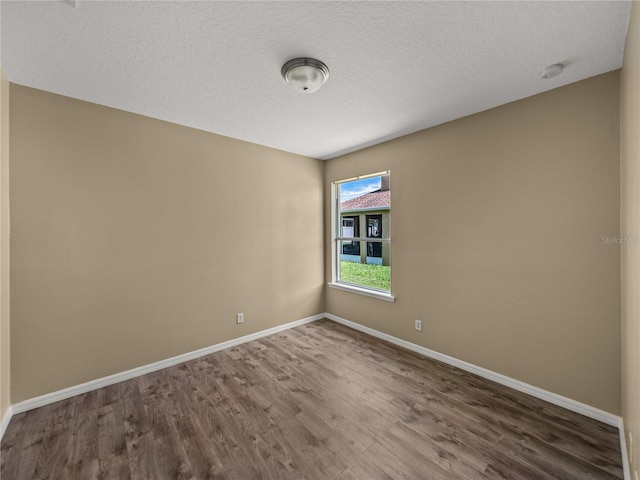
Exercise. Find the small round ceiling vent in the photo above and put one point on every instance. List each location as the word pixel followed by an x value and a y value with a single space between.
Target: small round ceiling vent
pixel 551 71
pixel 306 75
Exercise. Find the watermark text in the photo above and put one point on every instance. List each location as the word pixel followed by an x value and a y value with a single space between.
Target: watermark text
pixel 621 240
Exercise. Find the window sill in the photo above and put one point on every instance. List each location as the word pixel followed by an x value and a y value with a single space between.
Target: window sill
pixel 363 291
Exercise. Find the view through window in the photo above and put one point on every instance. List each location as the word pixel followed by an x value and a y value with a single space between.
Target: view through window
pixel 363 211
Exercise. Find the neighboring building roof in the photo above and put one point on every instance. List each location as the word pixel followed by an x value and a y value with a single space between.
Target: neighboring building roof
pixel 379 199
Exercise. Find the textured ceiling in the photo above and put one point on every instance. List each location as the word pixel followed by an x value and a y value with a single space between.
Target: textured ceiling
pixel 396 67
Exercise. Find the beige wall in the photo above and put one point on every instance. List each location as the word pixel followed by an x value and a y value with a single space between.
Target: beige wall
pixel 134 240
pixel 5 370
pixel 497 230
pixel 630 229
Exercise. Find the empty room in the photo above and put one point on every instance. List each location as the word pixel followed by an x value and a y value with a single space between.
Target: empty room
pixel 319 240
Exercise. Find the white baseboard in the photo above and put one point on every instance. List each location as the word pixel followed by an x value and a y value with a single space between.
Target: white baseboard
pixel 623 450
pixel 4 423
pixel 569 404
pixel 152 367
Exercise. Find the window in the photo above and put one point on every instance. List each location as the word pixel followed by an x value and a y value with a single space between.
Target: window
pixel 361 241
pixel 374 230
pixel 351 228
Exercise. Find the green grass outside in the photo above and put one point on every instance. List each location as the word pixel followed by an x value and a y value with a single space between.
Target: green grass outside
pixel 374 276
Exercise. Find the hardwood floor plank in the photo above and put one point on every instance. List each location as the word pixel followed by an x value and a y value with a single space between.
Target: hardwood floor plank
pixel 398 464
pixel 363 468
pixel 50 432
pixel 83 462
pixel 143 457
pixel 112 449
pixel 317 402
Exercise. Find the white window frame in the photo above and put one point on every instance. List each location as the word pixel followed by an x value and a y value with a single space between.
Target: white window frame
pixel 336 238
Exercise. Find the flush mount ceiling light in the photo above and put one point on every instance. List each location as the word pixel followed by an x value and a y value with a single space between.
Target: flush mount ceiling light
pixel 306 75
pixel 551 71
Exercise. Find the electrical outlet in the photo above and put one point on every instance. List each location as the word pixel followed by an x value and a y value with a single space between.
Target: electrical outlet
pixel 635 474
pixel 239 318
pixel 419 325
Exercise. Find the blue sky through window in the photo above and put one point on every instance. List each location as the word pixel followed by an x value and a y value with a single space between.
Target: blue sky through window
pixel 349 190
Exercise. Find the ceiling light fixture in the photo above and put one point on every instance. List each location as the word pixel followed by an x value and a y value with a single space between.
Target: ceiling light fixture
pixel 306 75
pixel 551 71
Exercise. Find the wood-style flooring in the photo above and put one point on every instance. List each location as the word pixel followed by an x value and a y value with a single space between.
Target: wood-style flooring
pixel 320 401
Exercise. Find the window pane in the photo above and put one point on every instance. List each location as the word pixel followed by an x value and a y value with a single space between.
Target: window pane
pixel 374 250
pixel 363 213
pixel 350 226
pixel 374 226
pixel 350 251
pixel 366 275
